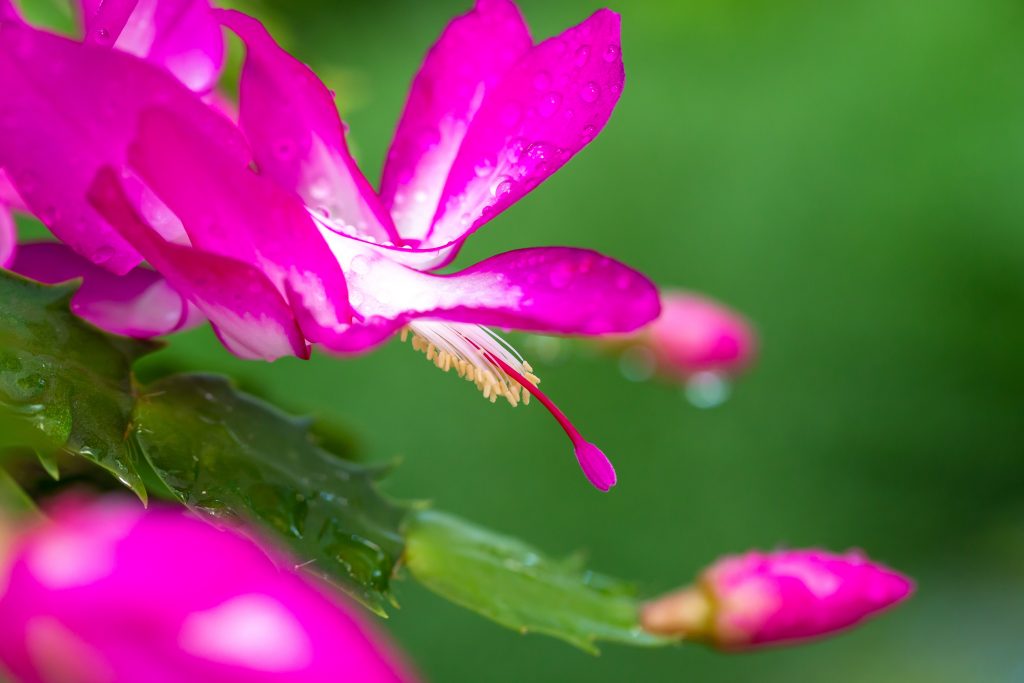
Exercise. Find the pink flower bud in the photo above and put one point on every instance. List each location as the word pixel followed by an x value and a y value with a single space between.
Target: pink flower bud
pixel 106 592
pixel 745 601
pixel 696 334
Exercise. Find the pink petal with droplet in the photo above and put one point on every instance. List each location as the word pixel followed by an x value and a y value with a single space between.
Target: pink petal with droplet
pixel 69 109
pixel 547 289
pixel 182 36
pixel 229 210
pixel 547 108
pixel 466 63
pixel 298 139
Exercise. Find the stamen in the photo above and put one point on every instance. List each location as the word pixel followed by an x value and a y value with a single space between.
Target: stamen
pixel 482 357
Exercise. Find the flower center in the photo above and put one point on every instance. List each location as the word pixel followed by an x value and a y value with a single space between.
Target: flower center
pixel 473 351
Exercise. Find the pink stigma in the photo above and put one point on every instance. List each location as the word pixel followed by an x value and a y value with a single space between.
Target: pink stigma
pixel 594 463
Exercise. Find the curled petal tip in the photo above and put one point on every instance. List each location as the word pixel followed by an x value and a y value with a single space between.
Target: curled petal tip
pixel 596 466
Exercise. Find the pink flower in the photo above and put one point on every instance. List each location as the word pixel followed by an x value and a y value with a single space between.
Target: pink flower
pixel 746 601
pixel 107 592
pixel 693 335
pixel 179 35
pixel 304 250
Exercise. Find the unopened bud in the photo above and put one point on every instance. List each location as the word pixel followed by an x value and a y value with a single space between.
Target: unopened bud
pixel 745 601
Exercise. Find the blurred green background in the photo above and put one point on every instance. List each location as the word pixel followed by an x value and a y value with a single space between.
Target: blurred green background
pixel 847 173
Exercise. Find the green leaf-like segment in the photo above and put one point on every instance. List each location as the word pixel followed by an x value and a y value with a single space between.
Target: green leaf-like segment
pixel 67 386
pixel 226 453
pixel 519 587
pixel 67 379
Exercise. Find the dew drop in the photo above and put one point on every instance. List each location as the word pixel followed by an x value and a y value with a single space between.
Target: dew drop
pixel 484 169
pixel 611 53
pixel 637 364
pixel 284 149
pixel 501 188
pixel 102 35
pixel 515 150
pixel 589 132
pixel 359 265
pixel 707 390
pixel 590 92
pixel 582 56
pixel 549 104
pixel 320 189
pixel 540 151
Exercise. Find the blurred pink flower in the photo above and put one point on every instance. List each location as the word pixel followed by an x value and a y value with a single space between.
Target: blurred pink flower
pixel 745 601
pixel 106 592
pixel 694 334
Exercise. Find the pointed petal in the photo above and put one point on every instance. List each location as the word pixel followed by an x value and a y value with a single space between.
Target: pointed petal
pixel 243 216
pixel 548 289
pixel 546 109
pixel 105 19
pixel 69 109
pixel 140 304
pixel 297 137
pixel 9 13
pixel 182 36
pixel 8 237
pixel 250 316
pixel 466 63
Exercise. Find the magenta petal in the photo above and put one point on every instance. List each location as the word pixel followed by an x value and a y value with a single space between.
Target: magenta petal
pixel 140 304
pixel 546 109
pixel 69 109
pixel 547 289
pixel 8 13
pixel 239 214
pixel 297 138
pixel 105 19
pixel 8 237
pixel 465 64
pixel 249 314
pixel 562 290
pixel 180 35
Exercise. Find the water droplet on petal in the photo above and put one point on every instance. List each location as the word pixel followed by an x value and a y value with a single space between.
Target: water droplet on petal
pixel 549 104
pixel 284 149
pixel 359 265
pixel 590 92
pixel 501 188
pixel 707 390
pixel 589 132
pixel 611 53
pixel 582 55
pixel 511 114
pixel 539 151
pixel 484 169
